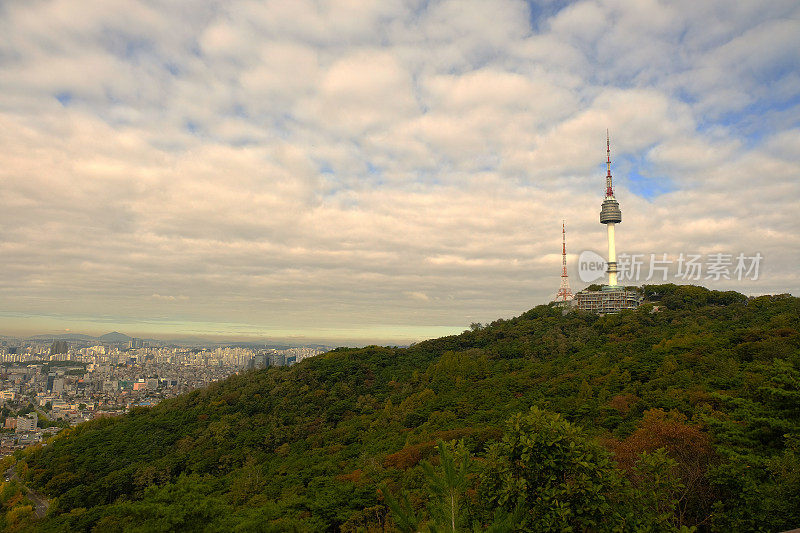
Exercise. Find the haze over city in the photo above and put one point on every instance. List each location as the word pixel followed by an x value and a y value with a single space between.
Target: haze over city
pixel 353 172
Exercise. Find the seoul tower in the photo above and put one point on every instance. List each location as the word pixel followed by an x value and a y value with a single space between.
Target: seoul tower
pixel 564 292
pixel 610 215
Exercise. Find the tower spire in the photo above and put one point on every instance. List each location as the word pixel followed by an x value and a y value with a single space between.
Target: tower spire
pixel 564 292
pixel 609 188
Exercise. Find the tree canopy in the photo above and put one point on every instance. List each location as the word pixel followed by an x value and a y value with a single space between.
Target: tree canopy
pixel 685 416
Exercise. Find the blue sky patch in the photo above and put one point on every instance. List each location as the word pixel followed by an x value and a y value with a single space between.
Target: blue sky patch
pixel 172 68
pixel 542 11
pixel 64 97
pixel 640 177
pixel 761 119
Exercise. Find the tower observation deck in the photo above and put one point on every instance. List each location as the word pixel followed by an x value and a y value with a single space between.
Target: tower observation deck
pixel 610 212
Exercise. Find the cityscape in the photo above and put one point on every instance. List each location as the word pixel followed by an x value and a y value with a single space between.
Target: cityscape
pixel 46 385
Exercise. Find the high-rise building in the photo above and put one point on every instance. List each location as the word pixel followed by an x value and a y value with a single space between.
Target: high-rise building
pixel 59 347
pixel 259 361
pixel 27 422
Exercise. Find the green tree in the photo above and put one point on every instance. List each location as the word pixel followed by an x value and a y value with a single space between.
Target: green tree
pixel 447 503
pixel 405 518
pixel 657 489
pixel 447 485
pixel 549 467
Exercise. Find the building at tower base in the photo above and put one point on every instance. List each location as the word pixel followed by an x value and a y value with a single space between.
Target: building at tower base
pixel 607 300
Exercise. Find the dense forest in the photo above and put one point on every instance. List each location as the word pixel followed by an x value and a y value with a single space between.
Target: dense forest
pixel 683 414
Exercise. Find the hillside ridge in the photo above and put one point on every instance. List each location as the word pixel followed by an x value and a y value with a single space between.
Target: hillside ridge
pixel 711 374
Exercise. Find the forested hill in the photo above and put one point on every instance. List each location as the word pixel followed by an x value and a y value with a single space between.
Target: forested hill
pixel 686 416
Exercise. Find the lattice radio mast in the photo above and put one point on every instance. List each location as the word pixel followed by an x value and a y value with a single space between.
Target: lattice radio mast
pixel 564 292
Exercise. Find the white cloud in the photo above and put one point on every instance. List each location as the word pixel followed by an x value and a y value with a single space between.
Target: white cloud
pixel 298 166
pixel 364 91
pixel 417 295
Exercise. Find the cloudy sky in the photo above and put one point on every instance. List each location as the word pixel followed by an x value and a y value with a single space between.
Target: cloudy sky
pixel 357 170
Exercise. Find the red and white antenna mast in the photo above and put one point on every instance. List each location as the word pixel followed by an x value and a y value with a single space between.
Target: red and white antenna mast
pixel 564 292
pixel 609 188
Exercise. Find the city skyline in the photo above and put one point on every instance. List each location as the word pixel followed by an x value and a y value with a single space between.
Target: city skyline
pixel 379 171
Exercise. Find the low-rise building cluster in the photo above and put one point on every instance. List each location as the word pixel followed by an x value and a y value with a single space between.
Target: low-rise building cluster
pixel 42 392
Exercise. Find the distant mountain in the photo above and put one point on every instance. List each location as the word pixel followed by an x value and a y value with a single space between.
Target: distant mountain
pixel 260 345
pixel 190 341
pixel 697 399
pixel 63 337
pixel 114 336
pixel 117 337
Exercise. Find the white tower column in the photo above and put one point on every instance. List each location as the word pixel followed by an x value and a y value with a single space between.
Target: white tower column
pixel 612 256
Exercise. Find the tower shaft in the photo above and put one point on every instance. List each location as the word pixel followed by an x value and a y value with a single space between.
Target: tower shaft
pixel 612 256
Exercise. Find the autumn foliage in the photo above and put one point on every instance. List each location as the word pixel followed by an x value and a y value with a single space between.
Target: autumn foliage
pixel 688 445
